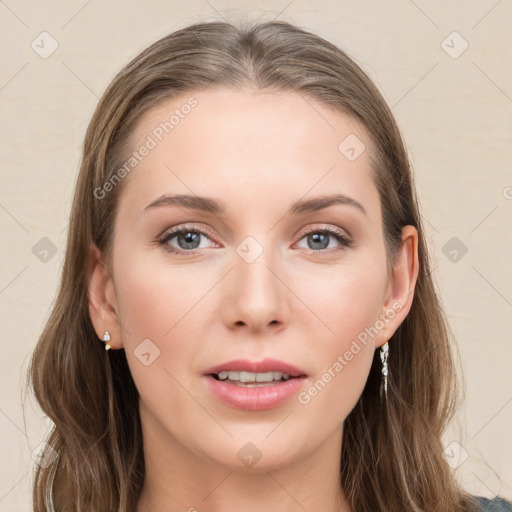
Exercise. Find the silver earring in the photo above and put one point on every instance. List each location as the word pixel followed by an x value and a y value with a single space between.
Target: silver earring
pixel 106 337
pixel 384 353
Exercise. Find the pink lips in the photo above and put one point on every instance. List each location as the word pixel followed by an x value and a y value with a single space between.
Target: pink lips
pixel 255 398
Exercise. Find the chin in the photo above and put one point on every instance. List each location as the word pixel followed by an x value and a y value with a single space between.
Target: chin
pixel 255 454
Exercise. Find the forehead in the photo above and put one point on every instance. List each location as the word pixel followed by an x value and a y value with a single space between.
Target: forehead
pixel 248 147
pixel 220 111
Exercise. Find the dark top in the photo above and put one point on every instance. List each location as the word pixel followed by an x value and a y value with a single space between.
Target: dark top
pixel 495 505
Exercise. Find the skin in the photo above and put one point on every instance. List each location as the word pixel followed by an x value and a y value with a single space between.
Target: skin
pixel 297 302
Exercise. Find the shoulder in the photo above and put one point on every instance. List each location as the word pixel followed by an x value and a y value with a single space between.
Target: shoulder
pixel 495 505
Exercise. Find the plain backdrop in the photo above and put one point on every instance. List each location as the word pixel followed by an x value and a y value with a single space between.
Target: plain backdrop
pixel 445 69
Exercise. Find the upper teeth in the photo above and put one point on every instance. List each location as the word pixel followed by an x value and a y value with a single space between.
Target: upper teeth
pixel 253 377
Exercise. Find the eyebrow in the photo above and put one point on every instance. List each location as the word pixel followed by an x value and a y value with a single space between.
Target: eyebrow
pixel 217 207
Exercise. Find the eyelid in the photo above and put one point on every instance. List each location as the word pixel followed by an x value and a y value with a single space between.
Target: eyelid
pixel 169 233
pixel 326 227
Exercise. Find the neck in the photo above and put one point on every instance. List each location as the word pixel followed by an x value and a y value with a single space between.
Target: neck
pixel 177 479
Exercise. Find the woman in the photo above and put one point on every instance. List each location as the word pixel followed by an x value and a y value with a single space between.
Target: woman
pixel 246 242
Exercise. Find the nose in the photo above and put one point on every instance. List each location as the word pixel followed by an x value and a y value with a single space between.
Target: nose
pixel 255 296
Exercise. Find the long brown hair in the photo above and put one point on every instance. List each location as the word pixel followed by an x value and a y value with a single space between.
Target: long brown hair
pixel 392 457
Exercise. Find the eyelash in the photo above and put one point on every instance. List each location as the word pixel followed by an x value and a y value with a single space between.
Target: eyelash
pixel 340 237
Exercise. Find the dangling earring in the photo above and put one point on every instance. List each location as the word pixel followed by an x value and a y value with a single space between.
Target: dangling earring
pixel 106 337
pixel 384 353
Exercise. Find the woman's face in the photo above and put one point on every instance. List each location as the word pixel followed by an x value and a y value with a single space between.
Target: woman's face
pixel 263 273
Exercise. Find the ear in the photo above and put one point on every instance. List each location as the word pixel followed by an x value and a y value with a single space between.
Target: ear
pixel 400 290
pixel 102 301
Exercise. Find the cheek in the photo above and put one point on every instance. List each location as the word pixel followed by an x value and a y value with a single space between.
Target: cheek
pixel 162 313
pixel 343 301
pixel 155 298
pixel 348 302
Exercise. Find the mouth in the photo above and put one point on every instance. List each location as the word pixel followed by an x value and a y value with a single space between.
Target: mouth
pixel 254 385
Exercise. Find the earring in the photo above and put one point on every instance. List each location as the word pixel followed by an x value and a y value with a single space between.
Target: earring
pixel 384 353
pixel 106 337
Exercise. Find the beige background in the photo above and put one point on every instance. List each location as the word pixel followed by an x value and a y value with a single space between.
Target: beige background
pixel 455 115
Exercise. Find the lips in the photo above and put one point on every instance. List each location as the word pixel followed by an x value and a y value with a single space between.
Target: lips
pixel 255 396
pixel 264 366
